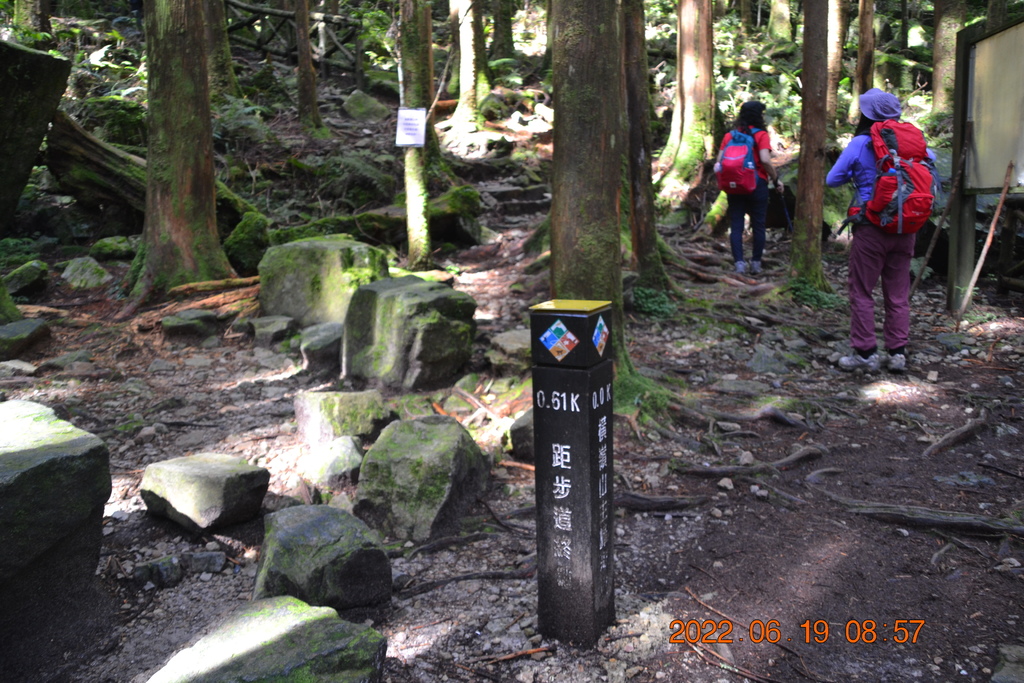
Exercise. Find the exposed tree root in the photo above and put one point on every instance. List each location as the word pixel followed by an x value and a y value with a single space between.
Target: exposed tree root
pixel 641 503
pixel 913 515
pixel 806 453
pixel 703 415
pixel 428 586
pixel 957 435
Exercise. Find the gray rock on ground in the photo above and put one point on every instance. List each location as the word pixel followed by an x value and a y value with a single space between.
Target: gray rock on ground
pixel 420 477
pixel 323 416
pixel 204 491
pixel 21 335
pixel 521 436
pixel 320 346
pixel 328 465
pixel 27 278
pixel 117 248
pixel 510 352
pixel 86 273
pixel 271 329
pixel 324 556
pixel 191 322
pixel 407 333
pixel 312 280
pixel 278 640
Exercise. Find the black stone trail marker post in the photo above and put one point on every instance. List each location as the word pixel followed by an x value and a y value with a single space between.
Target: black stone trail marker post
pixel 572 425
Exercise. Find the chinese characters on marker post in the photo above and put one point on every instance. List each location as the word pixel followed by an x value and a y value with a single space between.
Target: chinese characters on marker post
pixel 561 457
pixel 602 489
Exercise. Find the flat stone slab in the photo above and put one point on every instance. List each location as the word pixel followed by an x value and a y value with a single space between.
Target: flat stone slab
pixel 280 640
pixel 204 491
pixel 20 335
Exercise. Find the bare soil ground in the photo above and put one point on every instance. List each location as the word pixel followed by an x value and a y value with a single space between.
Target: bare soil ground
pixel 789 584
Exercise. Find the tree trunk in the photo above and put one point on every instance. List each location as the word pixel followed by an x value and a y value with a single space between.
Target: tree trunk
pixel 864 77
pixel 996 15
pixel 31 85
pixel 9 312
pixel 219 62
pixel 503 44
pixel 641 190
pixel 949 18
pixel 35 15
pixel 415 59
pixel 836 41
pixel 180 242
pixel 805 254
pixel 589 149
pixel 473 81
pixel 309 111
pixel 695 94
pixel 746 16
pixel 779 26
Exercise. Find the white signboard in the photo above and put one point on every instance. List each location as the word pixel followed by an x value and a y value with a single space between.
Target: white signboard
pixel 412 127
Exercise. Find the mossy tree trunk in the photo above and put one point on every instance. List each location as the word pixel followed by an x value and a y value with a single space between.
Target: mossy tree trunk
pixel 474 84
pixel 641 190
pixel 309 111
pixel 502 42
pixel 180 240
pixel 865 73
pixel 589 156
pixel 779 25
pixel 693 117
pixel 35 16
pixel 805 251
pixel 220 66
pixel 416 81
pixel 949 18
pixel 836 41
pixel 9 313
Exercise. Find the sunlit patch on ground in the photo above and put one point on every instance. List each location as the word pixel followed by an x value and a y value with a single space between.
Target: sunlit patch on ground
pixel 902 392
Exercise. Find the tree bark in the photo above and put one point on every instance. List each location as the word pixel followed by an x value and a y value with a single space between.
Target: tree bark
pixel 309 112
pixel 589 150
pixel 805 254
pixel 864 76
pixel 949 18
pixel 35 15
pixel 779 26
pixel 836 40
pixel 503 43
pixel 219 62
pixel 416 80
pixel 641 190
pixel 474 84
pixel 996 15
pixel 180 240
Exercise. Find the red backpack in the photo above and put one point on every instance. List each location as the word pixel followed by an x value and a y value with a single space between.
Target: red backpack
pixel 905 180
pixel 739 172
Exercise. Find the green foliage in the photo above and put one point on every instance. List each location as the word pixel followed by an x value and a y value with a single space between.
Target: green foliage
pixel 633 391
pixel 238 124
pixel 915 267
pixel 353 179
pixel 805 293
pixel 653 302
pixel 506 72
pixel 17 251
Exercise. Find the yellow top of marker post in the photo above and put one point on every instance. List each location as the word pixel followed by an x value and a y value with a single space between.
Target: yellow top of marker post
pixel 571 306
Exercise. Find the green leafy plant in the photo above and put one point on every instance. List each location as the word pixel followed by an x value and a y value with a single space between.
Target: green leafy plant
pixel 17 251
pixel 803 292
pixel 653 302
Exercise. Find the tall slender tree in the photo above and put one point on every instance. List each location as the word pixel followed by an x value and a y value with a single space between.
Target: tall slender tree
pixel 180 243
pixel 219 64
pixel 502 41
pixel 805 252
pixel 996 13
pixel 865 73
pixel 641 189
pixel 836 42
pixel 414 42
pixel 690 140
pixel 779 25
pixel 588 158
pixel 309 110
pixel 474 82
pixel 949 18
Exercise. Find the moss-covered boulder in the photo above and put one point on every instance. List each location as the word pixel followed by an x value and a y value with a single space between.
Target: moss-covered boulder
pixel 312 280
pixel 20 335
pixel 117 248
pixel 247 243
pixel 333 463
pixel 190 322
pixel 8 310
pixel 420 477
pixel 324 556
pixel 85 272
pixel 407 333
pixel 28 278
pixel 362 107
pixel 323 416
pixel 204 491
pixel 280 640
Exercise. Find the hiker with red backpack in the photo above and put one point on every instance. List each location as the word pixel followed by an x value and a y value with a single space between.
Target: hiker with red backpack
pixel 744 169
pixel 893 174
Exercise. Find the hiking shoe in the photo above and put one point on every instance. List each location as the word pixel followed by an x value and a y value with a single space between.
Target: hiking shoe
pixel 897 362
pixel 855 362
pixel 741 267
pixel 755 267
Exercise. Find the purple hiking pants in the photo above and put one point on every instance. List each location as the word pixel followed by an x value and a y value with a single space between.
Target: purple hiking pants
pixel 873 254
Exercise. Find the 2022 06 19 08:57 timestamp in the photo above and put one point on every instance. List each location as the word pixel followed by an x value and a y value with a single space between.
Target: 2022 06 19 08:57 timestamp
pixel 865 631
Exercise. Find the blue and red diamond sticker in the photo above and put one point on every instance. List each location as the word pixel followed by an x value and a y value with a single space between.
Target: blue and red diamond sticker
pixel 560 341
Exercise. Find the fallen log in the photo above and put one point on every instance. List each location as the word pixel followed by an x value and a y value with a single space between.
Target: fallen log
pixel 193 288
pixel 641 503
pixel 97 173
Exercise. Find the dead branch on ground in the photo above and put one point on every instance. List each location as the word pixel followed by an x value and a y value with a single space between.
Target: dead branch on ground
pixel 957 435
pixel 806 453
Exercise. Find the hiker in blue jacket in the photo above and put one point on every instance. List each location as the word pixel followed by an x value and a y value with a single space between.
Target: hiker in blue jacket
pixel 874 252
pixel 755 204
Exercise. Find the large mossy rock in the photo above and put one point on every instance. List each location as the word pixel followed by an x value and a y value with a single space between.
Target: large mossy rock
pixel 407 333
pixel 31 85
pixel 312 280
pixel 247 243
pixel 8 310
pixel 323 556
pixel 323 416
pixel 419 478
pixel 27 278
pixel 204 491
pixel 281 640
pixel 20 335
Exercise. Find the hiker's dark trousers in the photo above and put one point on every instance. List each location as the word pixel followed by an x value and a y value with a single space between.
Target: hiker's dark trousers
pixel 754 205
pixel 878 254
